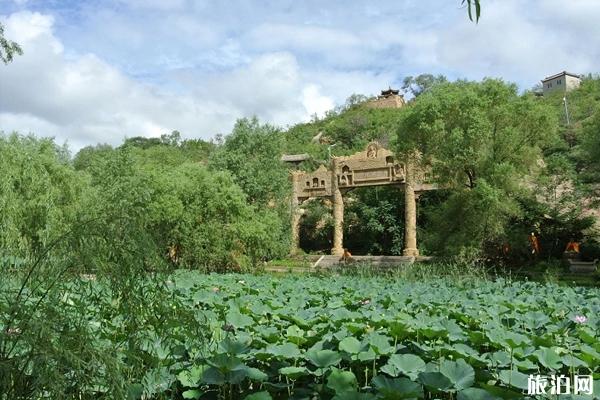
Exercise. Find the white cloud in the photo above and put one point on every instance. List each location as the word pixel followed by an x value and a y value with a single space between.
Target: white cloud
pixel 272 87
pixel 84 100
pixel 99 71
pixel 315 102
pixel 524 43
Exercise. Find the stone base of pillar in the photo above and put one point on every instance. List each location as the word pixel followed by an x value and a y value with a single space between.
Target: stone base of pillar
pixel 410 252
pixel 337 251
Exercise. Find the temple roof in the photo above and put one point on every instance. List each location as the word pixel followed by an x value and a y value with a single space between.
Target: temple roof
pixel 389 92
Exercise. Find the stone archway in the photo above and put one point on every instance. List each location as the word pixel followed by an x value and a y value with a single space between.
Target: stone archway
pixel 375 166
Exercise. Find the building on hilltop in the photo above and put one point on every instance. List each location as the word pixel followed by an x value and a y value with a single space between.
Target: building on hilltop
pixel 563 82
pixel 390 98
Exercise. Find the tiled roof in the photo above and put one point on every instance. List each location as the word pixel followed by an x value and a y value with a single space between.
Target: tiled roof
pixel 548 78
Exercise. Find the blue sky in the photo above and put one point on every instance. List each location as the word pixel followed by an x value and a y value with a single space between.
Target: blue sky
pixel 99 71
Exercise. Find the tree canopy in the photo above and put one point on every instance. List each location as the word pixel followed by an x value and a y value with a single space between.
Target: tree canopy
pixel 480 139
pixel 506 163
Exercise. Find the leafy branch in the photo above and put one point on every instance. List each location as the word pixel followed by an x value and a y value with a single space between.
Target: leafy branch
pixel 8 48
pixel 473 5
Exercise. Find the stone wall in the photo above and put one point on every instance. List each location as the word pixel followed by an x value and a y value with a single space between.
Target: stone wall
pixel 394 101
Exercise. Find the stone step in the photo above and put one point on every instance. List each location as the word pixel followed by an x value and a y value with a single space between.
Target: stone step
pixel 328 261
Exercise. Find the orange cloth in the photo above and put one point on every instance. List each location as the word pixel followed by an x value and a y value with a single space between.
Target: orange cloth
pixel 347 256
pixel 535 244
pixel 572 246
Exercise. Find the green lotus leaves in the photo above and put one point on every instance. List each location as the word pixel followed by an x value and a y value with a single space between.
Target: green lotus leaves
pixel 525 364
pixel 459 372
pixel 476 394
pixel 259 396
pixel 323 358
pixel 435 381
pixel 514 378
pixel 294 372
pixel 354 396
pixel 397 388
pixel 315 337
pixel 213 376
pixel 515 339
pixel 192 394
pixel 380 343
pixel 341 381
pixel 295 334
pixel 590 356
pixel 192 376
pixel 350 345
pixel 407 364
pixel 256 374
pixel 135 391
pixel 548 358
pixel 367 355
pixel 286 350
pixel 235 346
pixel 238 320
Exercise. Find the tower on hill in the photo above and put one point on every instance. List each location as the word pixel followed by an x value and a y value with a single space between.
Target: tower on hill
pixel 390 98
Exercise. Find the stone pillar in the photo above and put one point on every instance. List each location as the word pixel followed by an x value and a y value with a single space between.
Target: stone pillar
pixel 338 212
pixel 410 211
pixel 296 215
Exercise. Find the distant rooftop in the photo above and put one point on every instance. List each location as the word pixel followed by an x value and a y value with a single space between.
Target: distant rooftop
pixel 561 74
pixel 389 92
pixel 295 158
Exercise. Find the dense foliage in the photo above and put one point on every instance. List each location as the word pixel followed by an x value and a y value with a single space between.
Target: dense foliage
pixel 510 164
pixel 39 194
pixel 481 140
pixel 233 336
pixel 156 197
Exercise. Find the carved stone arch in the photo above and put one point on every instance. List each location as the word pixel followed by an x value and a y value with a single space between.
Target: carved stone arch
pixel 375 166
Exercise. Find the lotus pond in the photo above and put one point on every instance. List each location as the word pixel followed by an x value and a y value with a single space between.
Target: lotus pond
pixel 308 337
pixel 358 338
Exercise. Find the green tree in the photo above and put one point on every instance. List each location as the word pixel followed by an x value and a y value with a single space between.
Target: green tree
pixel 420 83
pixel 39 193
pixel 180 213
pixel 374 221
pixel 8 48
pixel 591 132
pixel 579 144
pixel 480 140
pixel 251 154
pixel 87 156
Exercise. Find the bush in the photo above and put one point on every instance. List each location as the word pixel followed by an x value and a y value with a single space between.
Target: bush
pixel 185 215
pixel 39 194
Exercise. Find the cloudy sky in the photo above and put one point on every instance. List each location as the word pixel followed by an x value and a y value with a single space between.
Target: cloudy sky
pixel 99 71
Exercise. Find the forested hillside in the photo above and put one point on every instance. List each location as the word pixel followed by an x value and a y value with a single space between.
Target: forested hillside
pixel 510 164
